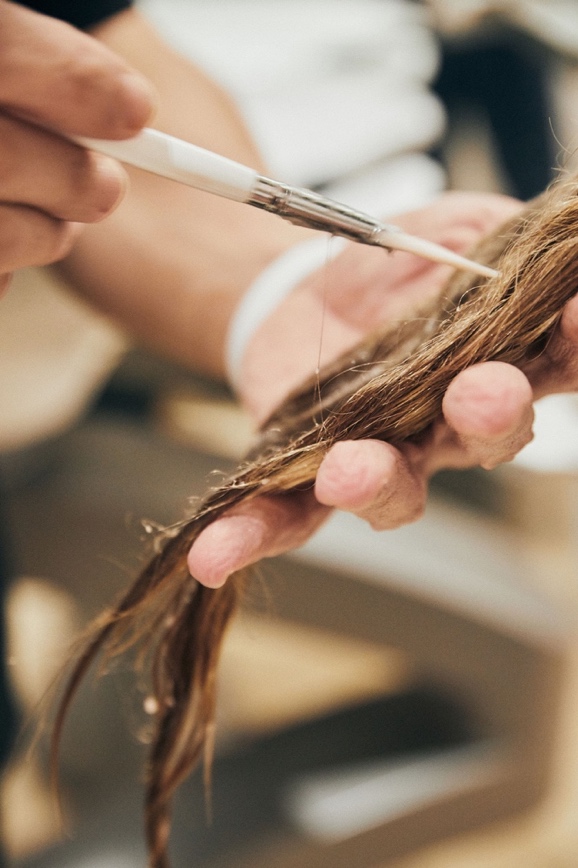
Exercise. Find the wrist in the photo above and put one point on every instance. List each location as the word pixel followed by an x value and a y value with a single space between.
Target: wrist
pixel 268 291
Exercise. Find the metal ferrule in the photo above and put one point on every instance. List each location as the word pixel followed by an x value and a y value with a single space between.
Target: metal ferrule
pixel 306 208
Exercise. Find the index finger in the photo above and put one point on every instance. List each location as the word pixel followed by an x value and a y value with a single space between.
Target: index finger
pixel 56 76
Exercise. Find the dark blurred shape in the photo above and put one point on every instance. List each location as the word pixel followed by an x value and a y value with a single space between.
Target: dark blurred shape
pixel 505 80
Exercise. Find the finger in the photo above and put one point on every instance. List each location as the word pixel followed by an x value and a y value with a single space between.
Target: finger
pixel 372 480
pixel 41 169
pixel 265 527
pixel 556 370
pixel 569 324
pixel 459 219
pixel 365 287
pixel 488 409
pixel 56 76
pixel 30 237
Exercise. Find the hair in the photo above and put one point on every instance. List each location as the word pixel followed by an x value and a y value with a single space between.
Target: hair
pixel 390 387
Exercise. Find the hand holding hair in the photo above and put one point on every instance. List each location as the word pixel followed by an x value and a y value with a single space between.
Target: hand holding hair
pixel 487 415
pixel 401 391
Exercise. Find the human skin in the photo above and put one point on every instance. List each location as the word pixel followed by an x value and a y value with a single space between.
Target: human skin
pixel 56 82
pixel 170 264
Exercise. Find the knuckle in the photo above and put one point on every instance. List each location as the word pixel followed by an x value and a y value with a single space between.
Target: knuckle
pixel 392 519
pixel 507 450
pixel 398 511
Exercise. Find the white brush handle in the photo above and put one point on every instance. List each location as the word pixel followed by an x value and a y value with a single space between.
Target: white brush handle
pixel 189 164
pixel 173 158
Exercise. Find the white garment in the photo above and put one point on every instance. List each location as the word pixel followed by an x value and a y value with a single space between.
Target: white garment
pixel 330 89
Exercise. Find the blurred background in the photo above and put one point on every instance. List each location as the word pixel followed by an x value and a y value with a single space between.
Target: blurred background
pixel 405 699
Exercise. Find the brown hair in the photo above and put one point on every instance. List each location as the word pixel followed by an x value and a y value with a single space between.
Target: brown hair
pixel 390 387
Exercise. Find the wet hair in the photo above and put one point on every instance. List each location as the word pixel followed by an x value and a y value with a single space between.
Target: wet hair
pixel 390 387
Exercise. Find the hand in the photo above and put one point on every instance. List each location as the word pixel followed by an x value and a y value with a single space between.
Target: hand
pixel 487 411
pixel 55 82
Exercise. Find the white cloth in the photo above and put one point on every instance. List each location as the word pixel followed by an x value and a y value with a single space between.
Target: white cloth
pixel 327 87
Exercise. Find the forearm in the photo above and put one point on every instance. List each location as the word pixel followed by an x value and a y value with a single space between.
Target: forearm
pixel 172 262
